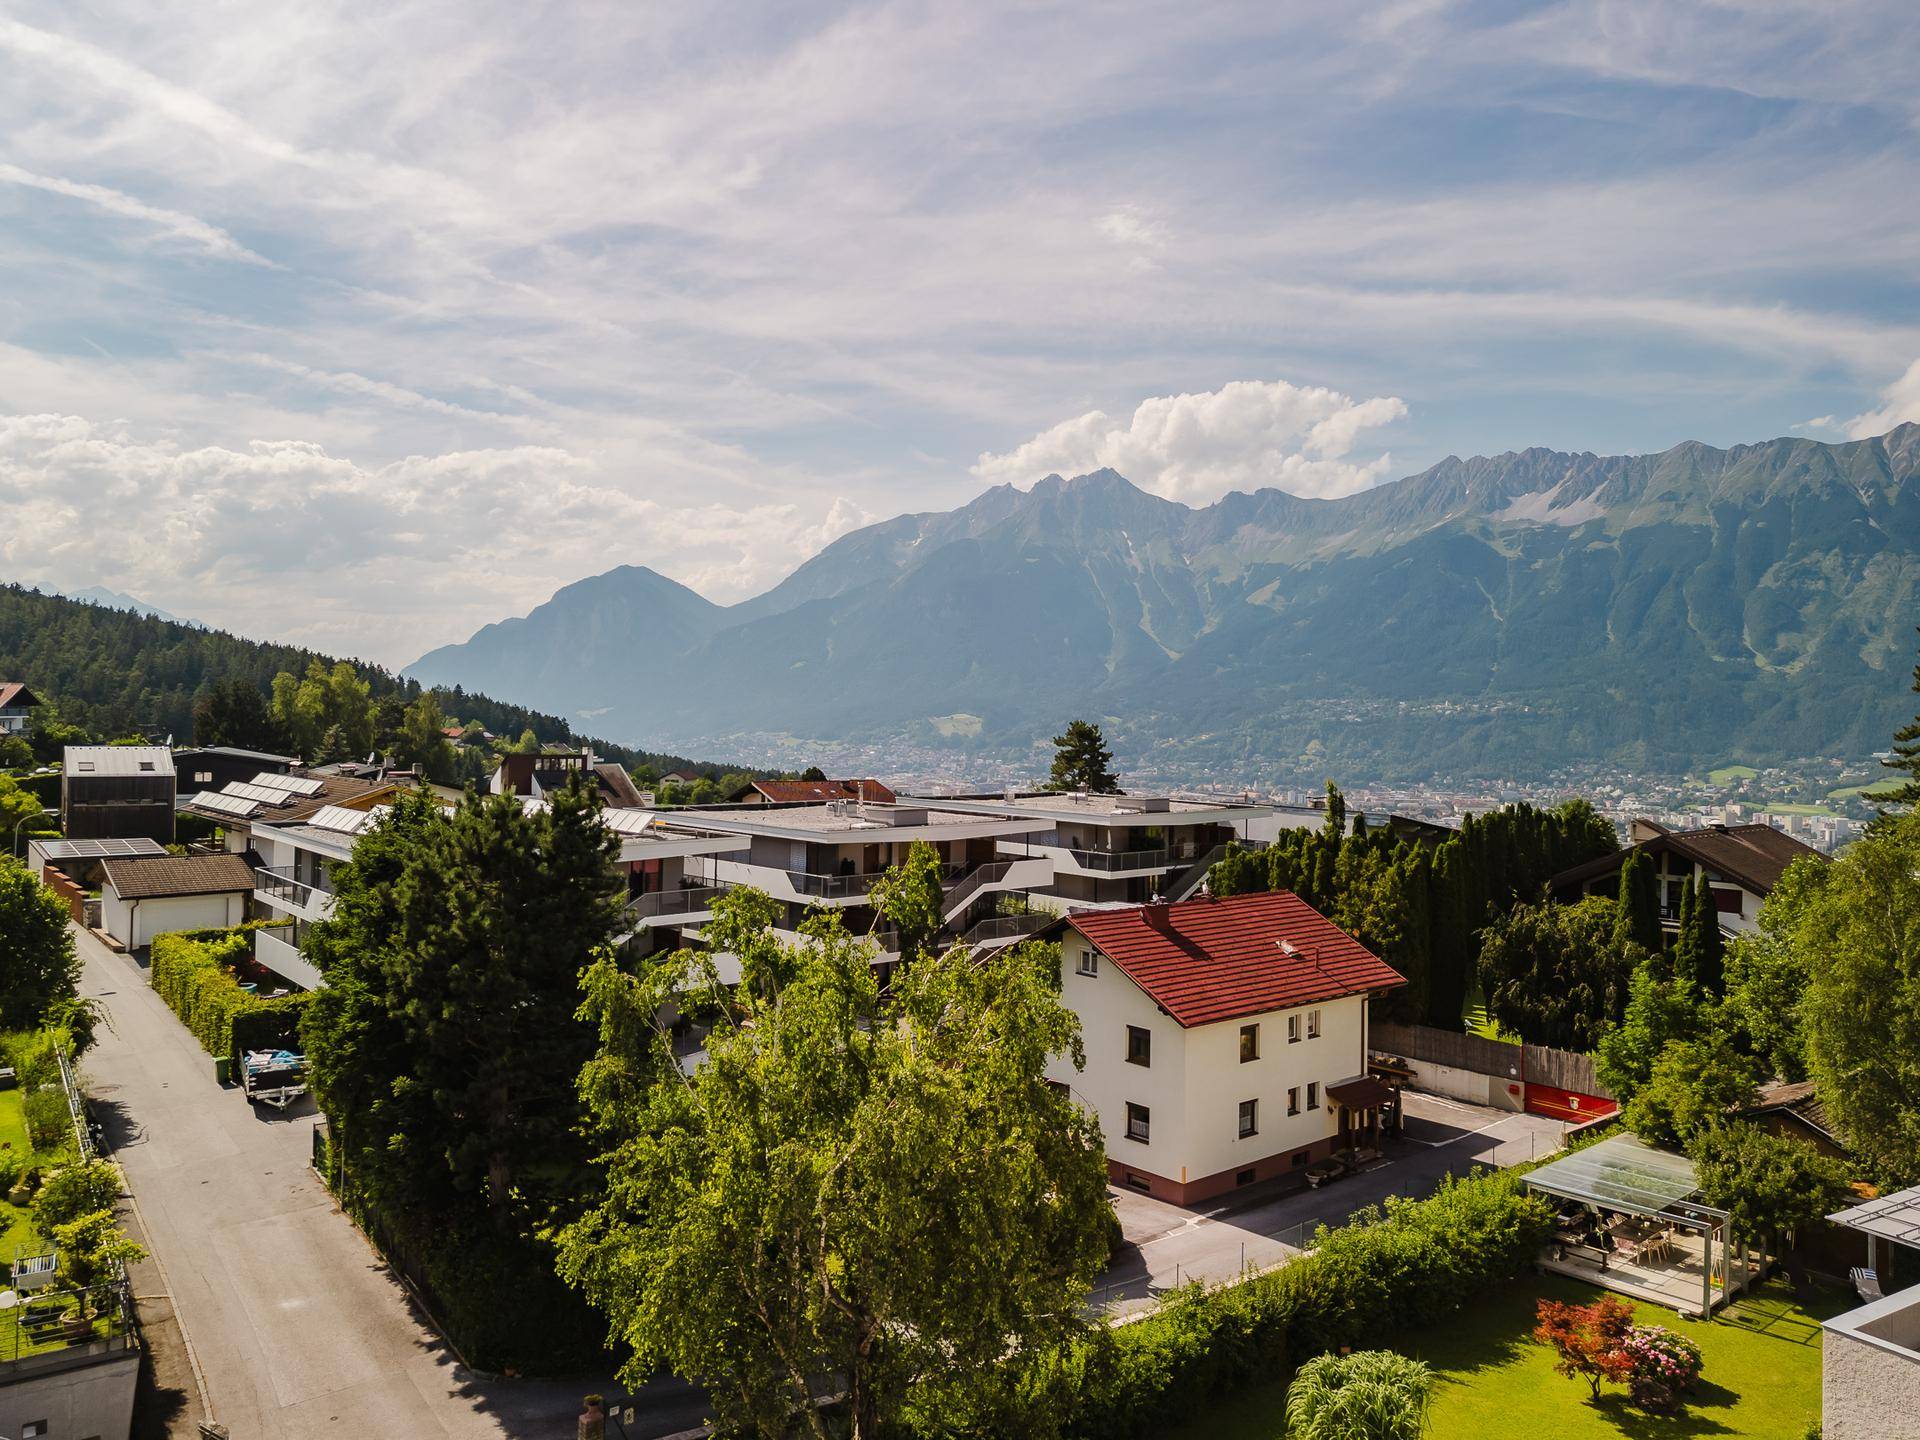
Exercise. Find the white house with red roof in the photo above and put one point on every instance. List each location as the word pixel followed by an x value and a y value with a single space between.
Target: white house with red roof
pixel 1226 1040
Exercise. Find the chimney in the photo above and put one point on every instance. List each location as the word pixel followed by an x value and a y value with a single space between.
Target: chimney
pixel 1159 915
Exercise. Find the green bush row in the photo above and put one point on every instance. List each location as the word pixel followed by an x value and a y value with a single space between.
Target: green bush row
pixel 189 971
pixel 1407 1266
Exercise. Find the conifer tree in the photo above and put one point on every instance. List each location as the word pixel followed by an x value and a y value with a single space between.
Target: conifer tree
pixel 1708 951
pixel 1685 960
pixel 1906 759
pixel 1082 761
pixel 1336 823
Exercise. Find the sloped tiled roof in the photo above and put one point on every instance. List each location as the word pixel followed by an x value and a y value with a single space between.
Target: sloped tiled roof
pixel 1795 1098
pixel 169 875
pixel 1209 960
pixel 815 792
pixel 14 695
pixel 1754 856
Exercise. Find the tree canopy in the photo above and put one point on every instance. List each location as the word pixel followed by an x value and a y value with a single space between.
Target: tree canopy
pixel 1558 974
pixel 1858 938
pixel 38 967
pixel 1906 759
pixel 872 1193
pixel 1082 761
pixel 1768 1184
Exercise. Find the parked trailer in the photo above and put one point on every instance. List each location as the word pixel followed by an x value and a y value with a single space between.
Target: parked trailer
pixel 273 1077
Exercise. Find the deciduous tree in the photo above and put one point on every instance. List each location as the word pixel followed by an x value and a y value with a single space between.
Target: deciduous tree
pixel 38 967
pixel 1693 1085
pixel 1588 1341
pixel 877 1196
pixel 909 899
pixel 1859 939
pixel 1768 1184
pixel 1558 974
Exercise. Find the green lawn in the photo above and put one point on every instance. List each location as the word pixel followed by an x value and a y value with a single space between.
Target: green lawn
pixel 1479 1022
pixel 1760 1379
pixel 1801 810
pixel 1727 774
pixel 1865 792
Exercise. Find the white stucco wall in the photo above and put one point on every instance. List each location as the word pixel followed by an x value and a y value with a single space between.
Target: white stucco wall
pixel 1870 1371
pixel 135 923
pixel 1196 1081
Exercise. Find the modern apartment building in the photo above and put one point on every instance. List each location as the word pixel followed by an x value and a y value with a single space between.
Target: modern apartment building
pixel 831 855
pixel 1119 849
pixel 1226 1039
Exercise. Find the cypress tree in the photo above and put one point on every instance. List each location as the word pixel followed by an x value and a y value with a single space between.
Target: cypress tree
pixel 1708 948
pixel 1686 946
pixel 1336 810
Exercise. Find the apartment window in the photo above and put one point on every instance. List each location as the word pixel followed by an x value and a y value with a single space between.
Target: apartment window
pixel 1140 1183
pixel 1313 1025
pixel 1293 1029
pixel 1299 1158
pixel 1139 1122
pixel 1243 1177
pixel 1089 962
pixel 1313 1095
pixel 203 777
pixel 1139 1045
pixel 1293 1100
pixel 1249 1043
pixel 1249 1118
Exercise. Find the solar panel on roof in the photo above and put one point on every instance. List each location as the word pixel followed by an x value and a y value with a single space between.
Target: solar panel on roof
pixel 630 823
pixel 346 822
pixel 100 849
pixel 235 805
pixel 262 793
pixel 292 784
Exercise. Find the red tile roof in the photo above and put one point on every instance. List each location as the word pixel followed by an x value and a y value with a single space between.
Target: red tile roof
pixel 1209 960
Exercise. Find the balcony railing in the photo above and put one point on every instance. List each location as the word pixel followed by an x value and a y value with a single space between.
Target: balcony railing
pixel 281 885
pixel 1156 859
pixel 841 887
pixel 1005 927
pixel 689 900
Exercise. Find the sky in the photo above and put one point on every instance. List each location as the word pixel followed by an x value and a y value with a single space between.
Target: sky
pixel 363 326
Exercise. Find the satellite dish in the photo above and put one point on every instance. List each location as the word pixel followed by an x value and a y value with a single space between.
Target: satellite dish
pixel 9 1299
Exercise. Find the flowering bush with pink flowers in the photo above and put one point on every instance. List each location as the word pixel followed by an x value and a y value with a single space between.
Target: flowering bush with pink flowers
pixel 1664 1367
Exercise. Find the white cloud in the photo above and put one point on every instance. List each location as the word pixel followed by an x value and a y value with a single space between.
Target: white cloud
pixel 1899 403
pixel 210 238
pixel 281 539
pixel 1246 435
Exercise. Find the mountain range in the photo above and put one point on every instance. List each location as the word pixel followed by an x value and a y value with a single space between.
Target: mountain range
pixel 1493 616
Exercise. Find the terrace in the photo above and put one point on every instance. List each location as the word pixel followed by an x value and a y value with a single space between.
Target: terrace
pixel 1630 1222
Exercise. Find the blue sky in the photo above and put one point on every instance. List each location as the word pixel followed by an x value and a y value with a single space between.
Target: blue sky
pixel 365 327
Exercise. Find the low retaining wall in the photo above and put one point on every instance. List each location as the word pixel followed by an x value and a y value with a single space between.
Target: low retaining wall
pixel 1560 1083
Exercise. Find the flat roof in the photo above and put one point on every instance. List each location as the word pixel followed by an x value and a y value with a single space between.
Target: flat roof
pixel 1894 1217
pixel 864 822
pixel 117 760
pixel 1620 1173
pixel 1110 809
pixel 99 849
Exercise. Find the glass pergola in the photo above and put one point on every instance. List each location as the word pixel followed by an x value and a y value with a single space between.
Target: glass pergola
pixel 1623 1175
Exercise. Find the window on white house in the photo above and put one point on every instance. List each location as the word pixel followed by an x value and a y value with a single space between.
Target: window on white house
pixel 1313 1025
pixel 1293 1100
pixel 1139 1121
pixel 1293 1029
pixel 1313 1095
pixel 1089 962
pixel 1249 1118
pixel 1139 1045
pixel 1249 1043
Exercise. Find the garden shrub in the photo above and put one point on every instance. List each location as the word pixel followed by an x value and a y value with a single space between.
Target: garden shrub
pixel 1663 1366
pixel 75 1191
pixel 49 1122
pixel 1410 1264
pixel 189 970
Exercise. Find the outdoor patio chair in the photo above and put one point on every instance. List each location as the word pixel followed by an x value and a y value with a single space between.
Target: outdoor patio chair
pixel 1866 1283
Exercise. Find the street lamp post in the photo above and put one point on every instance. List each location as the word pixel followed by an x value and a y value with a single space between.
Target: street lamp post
pixel 13 841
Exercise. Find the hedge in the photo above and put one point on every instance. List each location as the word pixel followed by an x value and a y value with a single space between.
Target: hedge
pixel 189 971
pixel 1407 1266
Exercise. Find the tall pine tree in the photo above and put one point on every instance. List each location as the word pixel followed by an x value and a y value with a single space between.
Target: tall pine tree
pixel 1906 758
pixel 1082 761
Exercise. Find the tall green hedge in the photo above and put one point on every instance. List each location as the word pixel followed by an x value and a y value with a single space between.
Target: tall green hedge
pixel 189 971
pixel 1405 1267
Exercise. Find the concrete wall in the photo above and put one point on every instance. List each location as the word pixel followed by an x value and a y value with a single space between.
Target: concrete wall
pixel 91 1401
pixel 1467 1085
pixel 1870 1371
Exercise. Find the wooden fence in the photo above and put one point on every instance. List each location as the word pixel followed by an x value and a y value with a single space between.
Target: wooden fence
pixel 1534 1064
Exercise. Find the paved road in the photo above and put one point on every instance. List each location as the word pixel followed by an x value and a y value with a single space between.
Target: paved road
pixel 296 1326
pixel 1261 1226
